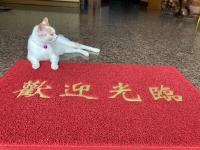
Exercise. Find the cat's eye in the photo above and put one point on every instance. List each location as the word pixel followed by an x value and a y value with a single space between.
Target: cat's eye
pixel 43 35
pixel 52 34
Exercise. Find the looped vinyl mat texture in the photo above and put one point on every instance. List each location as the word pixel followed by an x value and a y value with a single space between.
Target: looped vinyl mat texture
pixel 85 106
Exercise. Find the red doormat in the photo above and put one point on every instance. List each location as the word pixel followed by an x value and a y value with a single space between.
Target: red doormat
pixel 85 106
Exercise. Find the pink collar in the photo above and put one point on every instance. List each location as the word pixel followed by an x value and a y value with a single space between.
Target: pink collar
pixel 45 46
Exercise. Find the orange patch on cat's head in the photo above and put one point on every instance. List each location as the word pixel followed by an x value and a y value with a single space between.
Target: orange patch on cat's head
pixel 45 21
pixel 45 31
pixel 44 25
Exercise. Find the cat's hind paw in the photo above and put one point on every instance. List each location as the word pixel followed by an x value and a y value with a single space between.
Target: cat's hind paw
pixel 95 50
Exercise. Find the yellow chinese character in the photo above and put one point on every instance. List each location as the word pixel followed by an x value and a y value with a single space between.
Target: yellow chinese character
pixel 121 89
pixel 32 88
pixel 79 88
pixel 164 93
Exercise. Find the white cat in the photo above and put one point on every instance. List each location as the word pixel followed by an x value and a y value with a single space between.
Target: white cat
pixel 44 44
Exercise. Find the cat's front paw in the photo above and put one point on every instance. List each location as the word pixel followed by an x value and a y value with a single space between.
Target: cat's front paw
pixel 35 65
pixel 54 66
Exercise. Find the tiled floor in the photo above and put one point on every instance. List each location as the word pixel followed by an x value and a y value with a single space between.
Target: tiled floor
pixel 125 34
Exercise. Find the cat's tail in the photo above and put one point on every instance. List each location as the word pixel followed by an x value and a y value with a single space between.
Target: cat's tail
pixel 88 48
pixel 69 43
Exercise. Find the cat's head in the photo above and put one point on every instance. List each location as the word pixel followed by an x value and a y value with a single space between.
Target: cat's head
pixel 45 32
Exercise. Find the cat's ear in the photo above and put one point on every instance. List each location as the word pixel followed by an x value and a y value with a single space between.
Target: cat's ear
pixel 41 27
pixel 45 21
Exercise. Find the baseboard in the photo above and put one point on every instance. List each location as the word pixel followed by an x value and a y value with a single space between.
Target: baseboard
pixel 68 3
